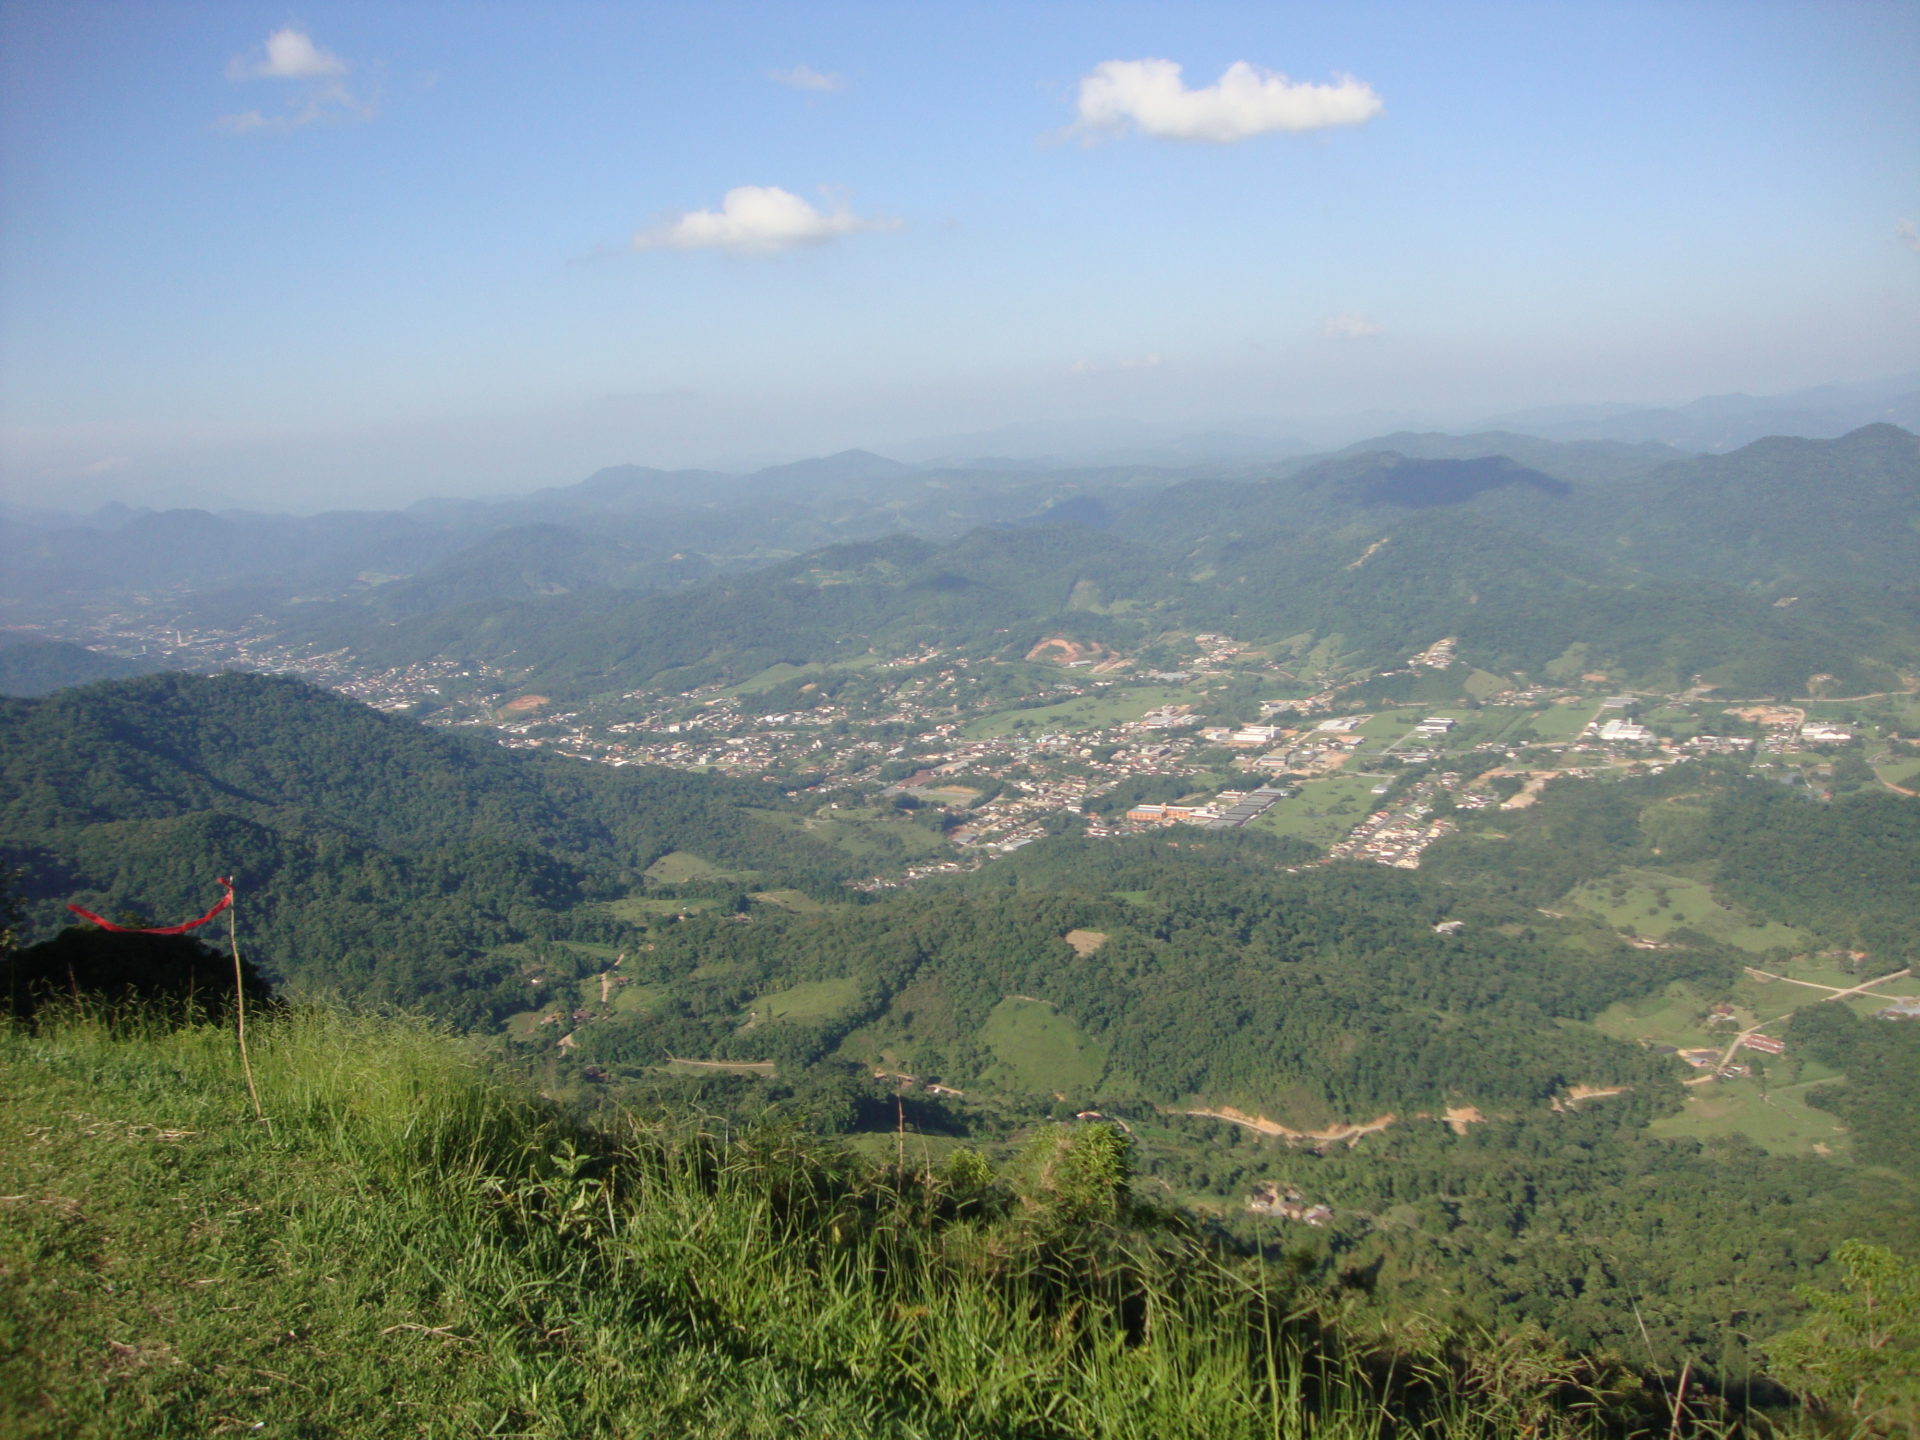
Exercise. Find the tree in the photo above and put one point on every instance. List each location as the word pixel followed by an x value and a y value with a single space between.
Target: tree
pixel 1859 1352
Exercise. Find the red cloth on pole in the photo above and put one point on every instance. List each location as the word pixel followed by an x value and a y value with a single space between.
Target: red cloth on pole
pixel 180 929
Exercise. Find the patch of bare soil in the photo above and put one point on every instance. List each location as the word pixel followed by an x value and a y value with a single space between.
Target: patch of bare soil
pixel 1064 651
pixel 1350 1133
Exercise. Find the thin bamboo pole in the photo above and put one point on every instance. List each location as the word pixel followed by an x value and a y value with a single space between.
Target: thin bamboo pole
pixel 240 1012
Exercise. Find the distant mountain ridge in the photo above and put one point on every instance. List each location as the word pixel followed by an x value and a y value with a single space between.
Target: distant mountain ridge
pixel 1674 573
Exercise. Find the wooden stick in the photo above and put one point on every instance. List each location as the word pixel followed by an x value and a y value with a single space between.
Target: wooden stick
pixel 240 1016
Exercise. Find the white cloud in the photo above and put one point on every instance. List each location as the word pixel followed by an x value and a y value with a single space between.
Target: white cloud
pixel 755 220
pixel 1150 97
pixel 1351 326
pixel 107 466
pixel 1908 234
pixel 805 77
pixel 289 54
pixel 319 77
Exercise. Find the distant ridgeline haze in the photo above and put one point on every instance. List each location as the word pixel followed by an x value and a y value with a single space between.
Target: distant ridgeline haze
pixel 1756 568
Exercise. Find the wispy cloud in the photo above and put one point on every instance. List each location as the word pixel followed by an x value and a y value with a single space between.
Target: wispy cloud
pixel 107 466
pixel 1908 234
pixel 1351 326
pixel 1148 96
pixel 756 220
pixel 318 78
pixel 805 77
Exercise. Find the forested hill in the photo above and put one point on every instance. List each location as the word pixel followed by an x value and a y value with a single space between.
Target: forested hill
pixel 39 667
pixel 1757 569
pixel 370 852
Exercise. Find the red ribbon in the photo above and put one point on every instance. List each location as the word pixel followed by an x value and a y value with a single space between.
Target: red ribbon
pixel 180 929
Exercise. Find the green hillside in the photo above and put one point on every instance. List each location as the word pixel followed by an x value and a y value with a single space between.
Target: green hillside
pixel 411 1245
pixel 373 855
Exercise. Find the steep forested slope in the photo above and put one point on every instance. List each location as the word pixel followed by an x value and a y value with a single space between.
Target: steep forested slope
pixel 371 852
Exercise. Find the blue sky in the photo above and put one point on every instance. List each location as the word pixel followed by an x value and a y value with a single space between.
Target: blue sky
pixel 361 253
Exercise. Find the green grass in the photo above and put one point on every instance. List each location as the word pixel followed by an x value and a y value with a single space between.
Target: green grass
pixel 1905 773
pixel 779 674
pixel 1777 1118
pixel 958 796
pixel 1558 722
pixel 1324 810
pixel 880 833
pixel 680 866
pixel 1668 1018
pixel 814 1000
pixel 637 999
pixel 1655 904
pixel 638 909
pixel 1040 1049
pixel 1098 711
pixel 416 1246
pixel 798 901
pixel 1390 725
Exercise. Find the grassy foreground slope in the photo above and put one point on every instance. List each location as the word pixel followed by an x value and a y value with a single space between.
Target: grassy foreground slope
pixel 415 1247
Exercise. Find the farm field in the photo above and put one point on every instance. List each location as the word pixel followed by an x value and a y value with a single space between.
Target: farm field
pixel 1558 723
pixel 680 866
pixel 1040 1049
pixel 812 1000
pixel 1776 1118
pixel 1905 773
pixel 638 909
pixel 1083 712
pixel 797 901
pixel 1655 904
pixel 779 674
pixel 1669 1018
pixel 866 833
pixel 1324 810
pixel 637 999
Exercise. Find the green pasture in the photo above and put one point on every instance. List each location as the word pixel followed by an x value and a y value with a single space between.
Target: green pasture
pixel 780 674
pixel 797 901
pixel 1040 1049
pixel 1904 773
pixel 1101 711
pixel 1776 1118
pixel 954 796
pixel 1558 723
pixel 812 1000
pixel 880 832
pixel 718 1067
pixel 1668 1018
pixel 1393 724
pixel 679 867
pixel 1655 904
pixel 1324 810
pixel 885 1147
pixel 637 999
pixel 525 1025
pixel 638 909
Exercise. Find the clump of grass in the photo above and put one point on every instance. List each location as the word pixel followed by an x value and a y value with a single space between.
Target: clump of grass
pixel 420 1246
